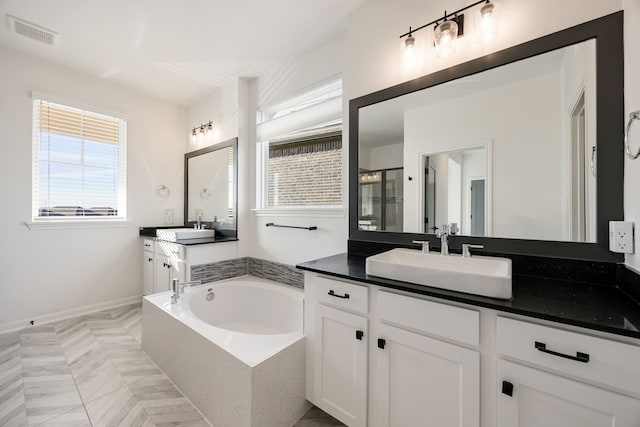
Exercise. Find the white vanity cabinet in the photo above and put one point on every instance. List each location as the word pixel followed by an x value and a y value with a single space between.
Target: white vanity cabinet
pixel 427 362
pixel 167 269
pixel 148 266
pixel 161 262
pixel 340 350
pixel 377 355
pixel 419 379
pixel 577 380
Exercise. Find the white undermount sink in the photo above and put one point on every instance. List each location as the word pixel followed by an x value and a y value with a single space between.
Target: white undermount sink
pixel 173 234
pixel 487 276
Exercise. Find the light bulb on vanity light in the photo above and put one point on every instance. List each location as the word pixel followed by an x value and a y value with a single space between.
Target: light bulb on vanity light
pixel 194 136
pixel 208 131
pixel 487 22
pixel 409 43
pixel 445 35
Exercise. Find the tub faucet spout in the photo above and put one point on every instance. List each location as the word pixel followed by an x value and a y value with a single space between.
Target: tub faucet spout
pixel 177 288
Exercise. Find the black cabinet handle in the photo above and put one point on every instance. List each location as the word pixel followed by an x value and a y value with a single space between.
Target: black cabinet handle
pixel 333 294
pixel 150 259
pixel 381 343
pixel 359 335
pixel 579 357
pixel 507 388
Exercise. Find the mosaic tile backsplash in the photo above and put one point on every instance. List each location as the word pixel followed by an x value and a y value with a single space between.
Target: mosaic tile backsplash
pixel 275 271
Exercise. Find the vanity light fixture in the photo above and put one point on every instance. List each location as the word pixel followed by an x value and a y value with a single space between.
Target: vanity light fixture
pixel 370 177
pixel 487 25
pixel 202 132
pixel 448 28
pixel 445 35
pixel 410 41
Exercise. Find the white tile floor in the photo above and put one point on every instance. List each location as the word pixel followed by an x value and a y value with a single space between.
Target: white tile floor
pixel 90 371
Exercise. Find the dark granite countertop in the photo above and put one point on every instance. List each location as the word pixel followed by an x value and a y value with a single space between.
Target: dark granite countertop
pixel 151 232
pixel 594 306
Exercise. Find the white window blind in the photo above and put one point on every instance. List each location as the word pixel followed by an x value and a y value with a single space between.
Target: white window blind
pixel 79 164
pixel 299 158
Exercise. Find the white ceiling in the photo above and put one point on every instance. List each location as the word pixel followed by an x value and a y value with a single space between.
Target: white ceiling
pixel 178 50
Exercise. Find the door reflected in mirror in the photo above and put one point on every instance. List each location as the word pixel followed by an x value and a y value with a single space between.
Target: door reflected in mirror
pixel 456 193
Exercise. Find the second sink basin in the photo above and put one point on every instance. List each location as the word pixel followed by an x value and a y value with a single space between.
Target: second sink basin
pixel 487 276
pixel 173 234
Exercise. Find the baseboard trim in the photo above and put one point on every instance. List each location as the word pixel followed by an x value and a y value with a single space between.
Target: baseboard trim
pixel 66 314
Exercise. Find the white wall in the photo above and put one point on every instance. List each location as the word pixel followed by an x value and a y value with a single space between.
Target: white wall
pixel 226 108
pixel 372 60
pixel 578 73
pixel 48 271
pixel 632 103
pixel 221 107
pixel 375 59
pixel 386 157
pixel 520 210
pixel 291 246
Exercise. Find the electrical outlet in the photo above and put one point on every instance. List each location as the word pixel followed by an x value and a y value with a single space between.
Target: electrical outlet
pixel 168 216
pixel 621 236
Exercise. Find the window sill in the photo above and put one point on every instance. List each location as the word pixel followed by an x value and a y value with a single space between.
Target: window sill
pixel 65 225
pixel 302 212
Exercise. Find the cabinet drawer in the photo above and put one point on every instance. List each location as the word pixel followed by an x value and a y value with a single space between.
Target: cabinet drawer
pixel 597 360
pixel 341 294
pixel 455 323
pixel 147 244
pixel 170 249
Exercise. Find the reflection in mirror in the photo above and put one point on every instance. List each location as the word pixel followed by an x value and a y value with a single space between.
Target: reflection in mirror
pixel 455 186
pixel 506 152
pixel 211 187
pixel 380 195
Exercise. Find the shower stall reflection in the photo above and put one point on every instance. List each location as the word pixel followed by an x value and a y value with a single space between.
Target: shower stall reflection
pixel 380 195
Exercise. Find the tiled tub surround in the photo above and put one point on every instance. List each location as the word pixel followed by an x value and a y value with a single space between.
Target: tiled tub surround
pixel 227 269
pixel 236 379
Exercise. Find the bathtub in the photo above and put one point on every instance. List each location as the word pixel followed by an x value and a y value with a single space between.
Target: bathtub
pixel 234 347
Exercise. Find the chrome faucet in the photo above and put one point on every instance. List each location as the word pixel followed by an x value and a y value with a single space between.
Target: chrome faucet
pixel 424 245
pixel 177 288
pixel 466 253
pixel 443 234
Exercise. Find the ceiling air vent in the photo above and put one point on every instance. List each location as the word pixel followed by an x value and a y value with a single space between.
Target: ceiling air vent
pixel 33 31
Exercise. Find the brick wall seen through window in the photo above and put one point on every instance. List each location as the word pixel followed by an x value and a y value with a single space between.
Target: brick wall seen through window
pixel 305 173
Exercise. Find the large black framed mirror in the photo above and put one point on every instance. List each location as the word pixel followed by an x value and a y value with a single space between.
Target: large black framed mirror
pixel 552 196
pixel 211 187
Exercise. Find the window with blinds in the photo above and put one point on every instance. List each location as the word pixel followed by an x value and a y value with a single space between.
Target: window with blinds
pixel 300 154
pixel 79 164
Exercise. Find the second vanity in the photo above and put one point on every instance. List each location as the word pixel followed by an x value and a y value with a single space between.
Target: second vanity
pixel 388 353
pixel 164 260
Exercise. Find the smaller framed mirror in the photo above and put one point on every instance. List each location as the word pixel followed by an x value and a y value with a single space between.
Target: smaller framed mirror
pixel 211 187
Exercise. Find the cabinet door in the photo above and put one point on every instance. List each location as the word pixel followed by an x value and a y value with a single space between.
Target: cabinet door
pixel 340 371
pixel 177 271
pixel 167 269
pixel 148 267
pixel 532 398
pixel 162 274
pixel 421 381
